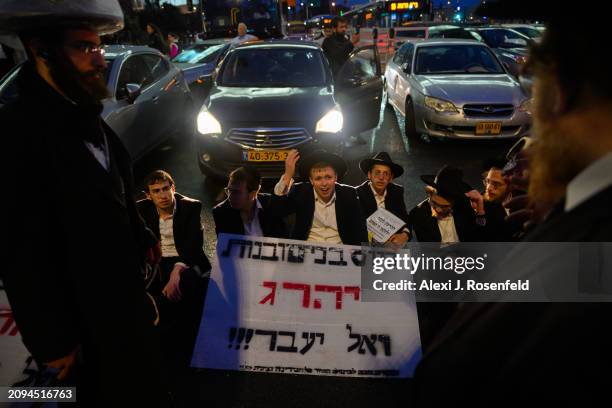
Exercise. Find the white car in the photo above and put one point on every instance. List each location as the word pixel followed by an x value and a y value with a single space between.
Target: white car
pixel 456 89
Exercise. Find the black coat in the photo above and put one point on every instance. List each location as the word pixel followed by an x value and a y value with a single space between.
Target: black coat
pixel 76 244
pixel 228 220
pixel 394 200
pixel 186 226
pixel 300 201
pixel 517 354
pixel 337 50
pixel 425 227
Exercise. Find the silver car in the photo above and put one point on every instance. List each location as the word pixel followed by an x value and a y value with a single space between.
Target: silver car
pixel 456 89
pixel 149 98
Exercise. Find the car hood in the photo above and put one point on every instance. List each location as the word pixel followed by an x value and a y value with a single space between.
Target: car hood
pixel 462 89
pixel 234 104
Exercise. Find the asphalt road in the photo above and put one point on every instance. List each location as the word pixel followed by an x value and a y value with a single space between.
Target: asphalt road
pixel 234 389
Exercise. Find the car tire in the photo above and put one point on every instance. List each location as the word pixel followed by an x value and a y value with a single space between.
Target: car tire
pixel 409 123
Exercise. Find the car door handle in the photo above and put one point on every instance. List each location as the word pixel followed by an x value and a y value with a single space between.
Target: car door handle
pixel 155 99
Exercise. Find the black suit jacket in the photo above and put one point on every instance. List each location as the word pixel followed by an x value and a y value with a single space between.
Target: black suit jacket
pixel 186 226
pixel 516 354
pixel 300 201
pixel 394 200
pixel 72 270
pixel 228 220
pixel 425 227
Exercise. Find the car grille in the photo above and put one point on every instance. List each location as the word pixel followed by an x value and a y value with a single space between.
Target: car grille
pixel 270 138
pixel 483 111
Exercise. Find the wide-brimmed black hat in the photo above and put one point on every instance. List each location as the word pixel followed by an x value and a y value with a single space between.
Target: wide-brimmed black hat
pixel 448 183
pixel 318 156
pixel 381 158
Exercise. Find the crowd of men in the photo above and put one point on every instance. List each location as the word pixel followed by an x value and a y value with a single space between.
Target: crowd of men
pixel 96 279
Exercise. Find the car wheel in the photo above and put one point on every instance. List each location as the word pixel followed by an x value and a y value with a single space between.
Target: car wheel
pixel 409 122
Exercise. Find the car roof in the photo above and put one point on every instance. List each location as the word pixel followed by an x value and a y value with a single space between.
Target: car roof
pixel 278 43
pixel 212 41
pixel 445 41
pixel 114 50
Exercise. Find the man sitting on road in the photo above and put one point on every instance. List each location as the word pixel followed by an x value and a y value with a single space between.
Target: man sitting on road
pixel 379 192
pixel 245 211
pixel 326 211
pixel 181 284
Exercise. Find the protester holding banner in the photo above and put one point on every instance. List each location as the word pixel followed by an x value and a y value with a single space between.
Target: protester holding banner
pixel 379 192
pixel 326 211
pixel 453 212
pixel 246 211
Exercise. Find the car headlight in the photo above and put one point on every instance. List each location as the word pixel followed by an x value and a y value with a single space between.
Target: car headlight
pixel 440 105
pixel 332 122
pixel 526 106
pixel 208 124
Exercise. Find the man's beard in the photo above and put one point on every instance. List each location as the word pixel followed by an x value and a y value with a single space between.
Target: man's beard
pixel 81 87
pixel 556 158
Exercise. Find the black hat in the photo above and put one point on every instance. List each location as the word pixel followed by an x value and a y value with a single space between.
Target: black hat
pixel 448 183
pixel 318 156
pixel 381 158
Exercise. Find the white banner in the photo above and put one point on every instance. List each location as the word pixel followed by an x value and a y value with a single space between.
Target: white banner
pixel 295 307
pixel 15 362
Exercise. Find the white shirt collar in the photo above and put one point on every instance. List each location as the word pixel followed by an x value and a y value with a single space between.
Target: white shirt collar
pixel 318 199
pixel 592 180
pixel 384 195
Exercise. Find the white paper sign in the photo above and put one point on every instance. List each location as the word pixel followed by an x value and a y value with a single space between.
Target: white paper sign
pixel 383 224
pixel 286 306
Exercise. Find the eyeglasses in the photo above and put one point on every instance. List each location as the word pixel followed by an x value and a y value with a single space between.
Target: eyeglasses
pixel 497 184
pixel 88 48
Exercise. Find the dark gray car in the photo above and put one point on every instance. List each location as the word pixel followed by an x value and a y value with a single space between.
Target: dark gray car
pixel 149 97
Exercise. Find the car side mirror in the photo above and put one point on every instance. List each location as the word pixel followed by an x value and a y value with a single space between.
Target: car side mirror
pixel 406 67
pixel 133 92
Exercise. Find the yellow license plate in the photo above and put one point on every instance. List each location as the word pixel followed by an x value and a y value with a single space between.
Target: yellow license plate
pixel 488 128
pixel 265 155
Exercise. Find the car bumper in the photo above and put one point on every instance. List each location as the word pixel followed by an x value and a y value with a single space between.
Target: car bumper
pixel 458 126
pixel 219 157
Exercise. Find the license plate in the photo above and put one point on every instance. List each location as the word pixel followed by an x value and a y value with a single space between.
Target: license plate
pixel 488 128
pixel 265 155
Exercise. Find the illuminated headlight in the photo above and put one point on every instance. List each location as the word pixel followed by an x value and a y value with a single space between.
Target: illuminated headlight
pixel 440 105
pixel 208 124
pixel 525 106
pixel 332 122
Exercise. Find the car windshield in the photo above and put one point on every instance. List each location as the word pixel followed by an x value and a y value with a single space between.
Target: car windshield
pixel 274 67
pixel 457 59
pixel 198 53
pixel 503 38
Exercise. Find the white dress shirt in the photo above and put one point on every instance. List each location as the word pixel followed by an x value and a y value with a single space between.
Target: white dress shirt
pixel 592 180
pixel 324 226
pixel 100 152
pixel 448 232
pixel 253 228
pixel 380 199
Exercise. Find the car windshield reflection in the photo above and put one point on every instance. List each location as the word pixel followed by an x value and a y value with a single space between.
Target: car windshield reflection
pixel 456 59
pixel 269 68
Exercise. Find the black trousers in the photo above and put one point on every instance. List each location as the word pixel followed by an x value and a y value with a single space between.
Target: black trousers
pixel 179 322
